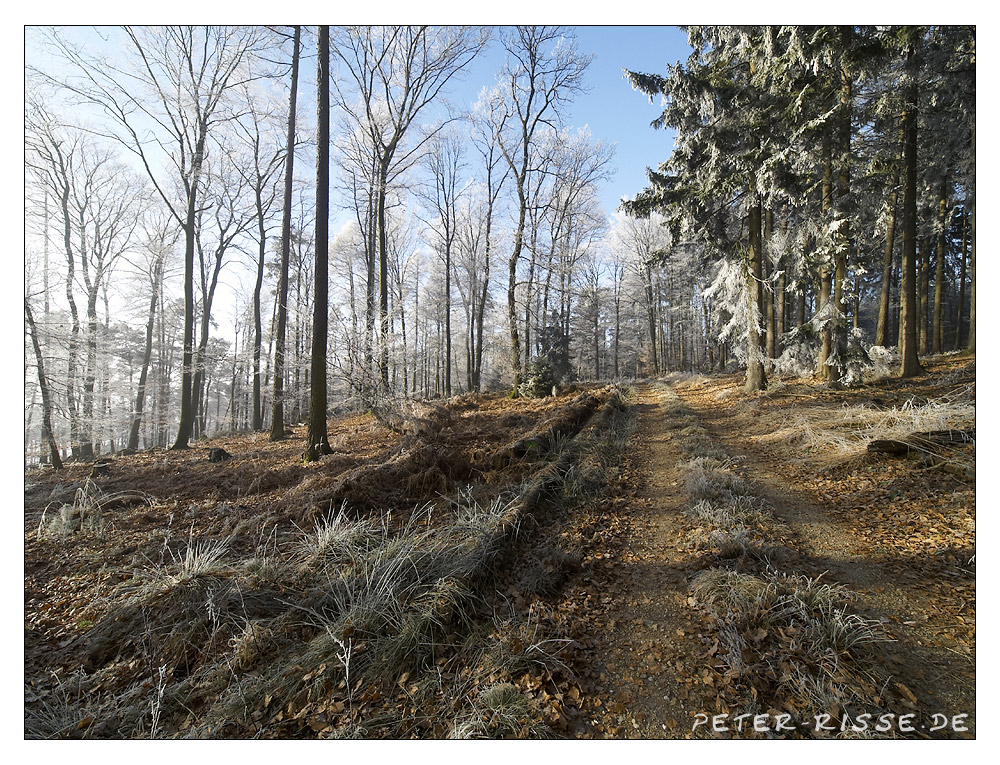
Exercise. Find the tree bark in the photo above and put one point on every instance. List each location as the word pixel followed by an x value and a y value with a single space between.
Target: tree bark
pixel 909 361
pixel 257 416
pixel 383 272
pixel 484 296
pixel 74 337
pixel 782 308
pixel 277 403
pixel 923 286
pixel 317 443
pixel 43 387
pixel 823 371
pixel 770 319
pixel 843 199
pixel 937 341
pixel 960 308
pixel 972 286
pixel 756 378
pixel 186 424
pixel 882 329
pixel 140 396
pixel 515 338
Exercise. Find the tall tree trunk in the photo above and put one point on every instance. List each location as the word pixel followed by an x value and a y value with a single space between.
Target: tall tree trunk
pixel 756 378
pixel 371 248
pixel 856 311
pixel 74 336
pixel 707 325
pixel 530 283
pixel 960 308
pixel 909 361
pixel 770 320
pixel 838 369
pixel 45 291
pixel 383 275
pixel 651 317
pixel 882 330
pixel 597 344
pixel 317 443
pixel 164 354
pixel 834 342
pixel 972 286
pixel 140 396
pixel 402 330
pixel 90 377
pixel 257 416
pixel 43 387
pixel 515 338
pixel 823 371
pixel 618 322
pixel 352 348
pixel 188 400
pixel 843 194
pixel 843 248
pixel 447 313
pixel 782 307
pixel 923 286
pixel 199 386
pixel 937 341
pixel 277 403
pixel 478 374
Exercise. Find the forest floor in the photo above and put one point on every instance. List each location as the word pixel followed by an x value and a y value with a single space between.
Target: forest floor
pixel 729 492
pixel 565 567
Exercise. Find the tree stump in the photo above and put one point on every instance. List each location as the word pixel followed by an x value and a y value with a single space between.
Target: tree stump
pixel 219 455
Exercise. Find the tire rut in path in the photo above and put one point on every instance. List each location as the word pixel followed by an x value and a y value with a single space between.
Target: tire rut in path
pixel 651 654
pixel 830 545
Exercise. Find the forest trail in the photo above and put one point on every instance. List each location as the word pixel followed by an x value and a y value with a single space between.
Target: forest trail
pixel 656 655
pixel 891 588
pixel 604 623
pixel 651 650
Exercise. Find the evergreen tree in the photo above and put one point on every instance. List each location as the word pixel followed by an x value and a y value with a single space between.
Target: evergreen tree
pixel 727 158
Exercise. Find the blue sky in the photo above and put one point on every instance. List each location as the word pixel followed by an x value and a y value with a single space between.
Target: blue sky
pixel 612 109
pixel 616 112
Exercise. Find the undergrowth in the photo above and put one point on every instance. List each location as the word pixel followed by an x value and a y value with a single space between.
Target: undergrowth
pixel 357 626
pixel 792 638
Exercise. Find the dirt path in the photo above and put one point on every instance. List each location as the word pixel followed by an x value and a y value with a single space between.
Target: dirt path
pixel 650 655
pixel 939 672
pixel 653 664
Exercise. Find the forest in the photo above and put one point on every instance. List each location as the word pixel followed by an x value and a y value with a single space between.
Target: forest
pixel 352 410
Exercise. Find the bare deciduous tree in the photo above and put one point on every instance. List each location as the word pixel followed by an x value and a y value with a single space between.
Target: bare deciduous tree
pixel 164 108
pixel 277 401
pixel 317 442
pixel 397 71
pixel 542 72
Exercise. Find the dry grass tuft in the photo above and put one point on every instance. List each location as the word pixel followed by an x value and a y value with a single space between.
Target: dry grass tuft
pixel 86 512
pixel 837 435
pixel 790 638
pixel 736 511
pixel 709 478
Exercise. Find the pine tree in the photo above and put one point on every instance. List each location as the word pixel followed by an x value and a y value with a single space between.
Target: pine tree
pixel 726 160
